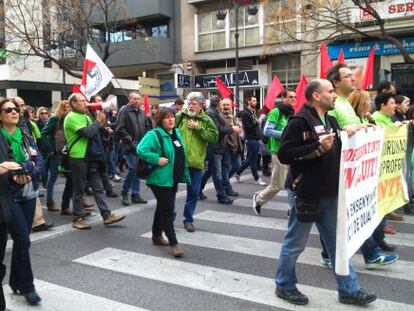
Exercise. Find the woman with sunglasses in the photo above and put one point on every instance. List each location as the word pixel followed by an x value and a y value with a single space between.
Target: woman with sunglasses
pixel 23 201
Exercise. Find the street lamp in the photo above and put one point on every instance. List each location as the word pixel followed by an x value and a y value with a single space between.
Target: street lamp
pixel 221 23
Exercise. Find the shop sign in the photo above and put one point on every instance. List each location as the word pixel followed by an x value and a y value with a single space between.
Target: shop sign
pixel 361 49
pixel 387 10
pixel 246 78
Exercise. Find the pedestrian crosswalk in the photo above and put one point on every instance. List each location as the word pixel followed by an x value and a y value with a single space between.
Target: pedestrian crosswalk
pixel 219 280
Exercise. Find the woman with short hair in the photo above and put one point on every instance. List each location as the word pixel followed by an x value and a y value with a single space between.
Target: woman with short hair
pixel 169 157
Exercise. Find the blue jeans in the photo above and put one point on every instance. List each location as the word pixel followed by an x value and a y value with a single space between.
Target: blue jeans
pixel 193 191
pixel 251 158
pixel 235 163
pixel 21 275
pixel 221 170
pixel 53 167
pixel 110 162
pixel 131 180
pixel 294 243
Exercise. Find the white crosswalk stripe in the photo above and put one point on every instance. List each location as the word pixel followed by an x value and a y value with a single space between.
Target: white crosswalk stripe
pixel 311 256
pixel 214 280
pixel 59 298
pixel 403 239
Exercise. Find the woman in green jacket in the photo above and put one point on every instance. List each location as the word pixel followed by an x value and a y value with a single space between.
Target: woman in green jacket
pixel 171 168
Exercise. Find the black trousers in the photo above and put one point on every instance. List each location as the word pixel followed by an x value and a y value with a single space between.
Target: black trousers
pixel 3 242
pixel 163 217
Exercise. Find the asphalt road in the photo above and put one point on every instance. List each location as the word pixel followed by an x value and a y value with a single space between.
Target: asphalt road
pixel 229 262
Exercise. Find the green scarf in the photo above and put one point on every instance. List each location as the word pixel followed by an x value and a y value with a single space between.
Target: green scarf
pixel 15 141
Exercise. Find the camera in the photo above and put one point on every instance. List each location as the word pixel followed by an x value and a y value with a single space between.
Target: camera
pixel 19 172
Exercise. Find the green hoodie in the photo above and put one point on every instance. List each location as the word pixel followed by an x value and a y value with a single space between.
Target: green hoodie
pixel 149 149
pixel 197 139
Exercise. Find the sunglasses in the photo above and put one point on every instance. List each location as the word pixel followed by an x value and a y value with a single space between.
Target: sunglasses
pixel 11 109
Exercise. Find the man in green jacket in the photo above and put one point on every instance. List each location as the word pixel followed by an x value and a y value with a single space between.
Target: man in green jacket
pixel 197 130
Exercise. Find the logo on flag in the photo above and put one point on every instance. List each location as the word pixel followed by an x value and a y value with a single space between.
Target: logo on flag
pixel 96 75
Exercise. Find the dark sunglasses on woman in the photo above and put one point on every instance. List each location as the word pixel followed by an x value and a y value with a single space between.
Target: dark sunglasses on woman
pixel 10 109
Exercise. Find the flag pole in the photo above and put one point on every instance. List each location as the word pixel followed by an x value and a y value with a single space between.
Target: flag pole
pixel 119 84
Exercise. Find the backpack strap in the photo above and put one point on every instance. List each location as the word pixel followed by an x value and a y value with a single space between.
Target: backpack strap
pixel 161 141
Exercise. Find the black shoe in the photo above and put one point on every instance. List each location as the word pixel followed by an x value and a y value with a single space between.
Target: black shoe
pixel 232 193
pixel 386 247
pixel 111 194
pixel 256 207
pixel 358 298
pixel 43 227
pixel 201 196
pixel 225 200
pixel 293 296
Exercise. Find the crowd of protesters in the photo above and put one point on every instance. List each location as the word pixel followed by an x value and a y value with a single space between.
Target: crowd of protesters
pixel 189 143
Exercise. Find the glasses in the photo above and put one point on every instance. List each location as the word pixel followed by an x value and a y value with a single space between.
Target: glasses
pixel 45 112
pixel 11 109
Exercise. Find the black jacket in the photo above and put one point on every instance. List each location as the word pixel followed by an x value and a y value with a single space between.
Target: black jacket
pixel 314 172
pixel 131 127
pixel 223 130
pixel 250 125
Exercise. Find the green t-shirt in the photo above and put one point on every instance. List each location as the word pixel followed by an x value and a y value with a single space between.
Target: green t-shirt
pixel 280 122
pixel 382 119
pixel 75 121
pixel 344 113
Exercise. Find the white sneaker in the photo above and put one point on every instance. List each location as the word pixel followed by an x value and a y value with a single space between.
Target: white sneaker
pixel 260 182
pixel 238 178
pixel 117 178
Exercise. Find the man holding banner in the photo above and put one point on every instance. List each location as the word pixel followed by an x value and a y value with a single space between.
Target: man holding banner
pixel 312 147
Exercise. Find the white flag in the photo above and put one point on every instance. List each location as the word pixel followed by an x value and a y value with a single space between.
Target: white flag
pixel 96 75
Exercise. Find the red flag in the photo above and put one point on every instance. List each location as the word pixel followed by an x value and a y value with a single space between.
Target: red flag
pixel 273 92
pixel 341 57
pixel 147 109
pixel 225 92
pixel 326 62
pixel 76 89
pixel 300 93
pixel 368 78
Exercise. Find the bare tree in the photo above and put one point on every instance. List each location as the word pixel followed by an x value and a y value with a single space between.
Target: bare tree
pixel 313 21
pixel 58 30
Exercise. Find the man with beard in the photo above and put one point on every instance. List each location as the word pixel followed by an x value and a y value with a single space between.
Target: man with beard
pixel 312 147
pixel 276 122
pixel 197 130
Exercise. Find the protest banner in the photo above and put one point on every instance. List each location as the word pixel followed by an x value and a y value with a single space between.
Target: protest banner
pixel 357 196
pixel 392 190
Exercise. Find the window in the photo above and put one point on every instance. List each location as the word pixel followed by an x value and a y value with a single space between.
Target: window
pixel 287 68
pixel 280 21
pixel 210 37
pixel 136 31
pixel 248 34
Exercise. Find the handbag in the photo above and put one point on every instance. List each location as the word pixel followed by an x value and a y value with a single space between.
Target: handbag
pixel 64 158
pixel 143 168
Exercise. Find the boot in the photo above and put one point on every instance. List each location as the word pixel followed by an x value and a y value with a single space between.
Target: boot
pixel 176 250
pixel 51 207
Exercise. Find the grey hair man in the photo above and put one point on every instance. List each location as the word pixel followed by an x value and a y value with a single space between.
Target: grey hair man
pixel 197 130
